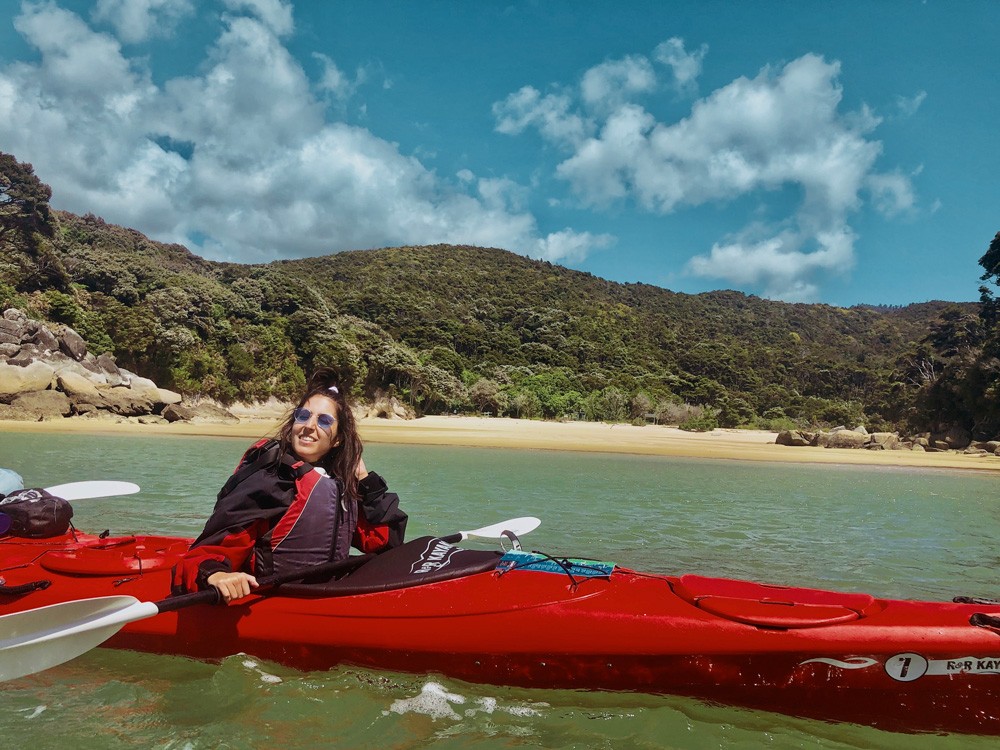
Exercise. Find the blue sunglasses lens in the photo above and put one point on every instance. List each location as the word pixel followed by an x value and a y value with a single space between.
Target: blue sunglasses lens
pixel 325 421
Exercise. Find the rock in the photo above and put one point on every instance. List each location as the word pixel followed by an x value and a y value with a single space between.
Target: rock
pixel 10 327
pixel 110 369
pixel 12 313
pixel 972 451
pixel 10 338
pixel 13 414
pixel 794 438
pixel 151 419
pixel 26 355
pixel 44 340
pixel 75 385
pixel 212 413
pixel 89 363
pixel 177 413
pixel 141 387
pixel 883 440
pixel 861 429
pixel 125 402
pixel 956 438
pixel 103 416
pixel 33 376
pixel 385 407
pixel 44 404
pixel 72 344
pixel 9 350
pixel 918 448
pixel 167 397
pixel 841 439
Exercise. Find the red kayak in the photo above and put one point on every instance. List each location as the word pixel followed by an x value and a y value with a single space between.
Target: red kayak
pixel 536 621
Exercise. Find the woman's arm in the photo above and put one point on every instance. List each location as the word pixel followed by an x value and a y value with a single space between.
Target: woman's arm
pixel 381 523
pixel 222 553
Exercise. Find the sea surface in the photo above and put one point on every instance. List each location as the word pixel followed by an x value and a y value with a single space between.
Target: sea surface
pixel 889 532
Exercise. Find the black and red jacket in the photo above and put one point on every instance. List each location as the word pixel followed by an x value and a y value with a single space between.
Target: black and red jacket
pixel 252 527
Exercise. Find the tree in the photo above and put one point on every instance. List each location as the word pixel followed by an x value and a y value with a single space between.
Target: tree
pixel 24 199
pixel 990 262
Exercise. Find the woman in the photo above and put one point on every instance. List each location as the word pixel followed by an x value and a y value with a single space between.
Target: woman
pixel 298 500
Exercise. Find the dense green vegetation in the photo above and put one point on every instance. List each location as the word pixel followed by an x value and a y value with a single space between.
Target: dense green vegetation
pixel 482 330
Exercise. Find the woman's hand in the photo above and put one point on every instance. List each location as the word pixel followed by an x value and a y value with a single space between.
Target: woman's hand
pixel 361 471
pixel 232 585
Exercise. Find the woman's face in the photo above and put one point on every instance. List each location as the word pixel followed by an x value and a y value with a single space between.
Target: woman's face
pixel 310 439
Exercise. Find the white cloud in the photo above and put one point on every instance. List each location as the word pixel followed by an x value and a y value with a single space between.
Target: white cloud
pixel 275 14
pixel 776 135
pixel 336 81
pixel 239 162
pixel 550 114
pixel 779 264
pixel 908 106
pixel 686 66
pixel 612 83
pixel 138 20
pixel 892 193
pixel 569 245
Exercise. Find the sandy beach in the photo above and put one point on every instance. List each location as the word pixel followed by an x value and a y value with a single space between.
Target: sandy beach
pixel 651 440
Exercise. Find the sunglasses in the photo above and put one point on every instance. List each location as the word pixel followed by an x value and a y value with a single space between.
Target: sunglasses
pixel 325 421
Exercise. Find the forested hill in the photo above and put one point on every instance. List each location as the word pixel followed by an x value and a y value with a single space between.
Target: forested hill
pixel 475 330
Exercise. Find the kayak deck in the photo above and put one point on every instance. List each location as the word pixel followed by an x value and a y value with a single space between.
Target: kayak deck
pixel 900 665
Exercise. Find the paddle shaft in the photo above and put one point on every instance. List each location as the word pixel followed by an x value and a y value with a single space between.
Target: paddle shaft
pixel 211 595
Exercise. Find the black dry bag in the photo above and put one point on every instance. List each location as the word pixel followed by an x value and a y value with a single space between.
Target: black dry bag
pixel 36 514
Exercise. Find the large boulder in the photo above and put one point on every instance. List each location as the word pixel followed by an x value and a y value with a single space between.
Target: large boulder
pixel 794 437
pixel 15 414
pixel 178 413
pixel 43 404
pixel 126 402
pixel 75 385
pixel 841 439
pixel 33 376
pixel 112 374
pixel 44 340
pixel 206 411
pixel 385 407
pixel 956 438
pixel 141 387
pixel 885 441
pixel 168 397
pixel 72 344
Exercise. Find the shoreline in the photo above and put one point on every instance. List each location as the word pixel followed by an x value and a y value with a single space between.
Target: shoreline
pixel 588 437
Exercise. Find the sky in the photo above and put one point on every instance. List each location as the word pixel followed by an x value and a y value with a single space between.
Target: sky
pixel 836 152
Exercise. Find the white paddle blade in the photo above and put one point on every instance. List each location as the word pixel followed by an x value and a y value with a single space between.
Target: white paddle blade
pixel 516 526
pixel 91 489
pixel 38 639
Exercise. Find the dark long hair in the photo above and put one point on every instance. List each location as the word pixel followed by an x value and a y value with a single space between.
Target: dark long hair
pixel 342 460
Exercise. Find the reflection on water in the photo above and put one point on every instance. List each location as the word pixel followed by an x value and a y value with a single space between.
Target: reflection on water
pixel 890 532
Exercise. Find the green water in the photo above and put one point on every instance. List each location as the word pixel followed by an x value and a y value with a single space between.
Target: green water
pixel 899 533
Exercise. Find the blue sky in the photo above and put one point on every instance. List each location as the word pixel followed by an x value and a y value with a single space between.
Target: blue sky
pixel 838 152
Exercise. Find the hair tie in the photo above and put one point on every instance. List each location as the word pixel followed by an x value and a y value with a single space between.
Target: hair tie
pixel 334 389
